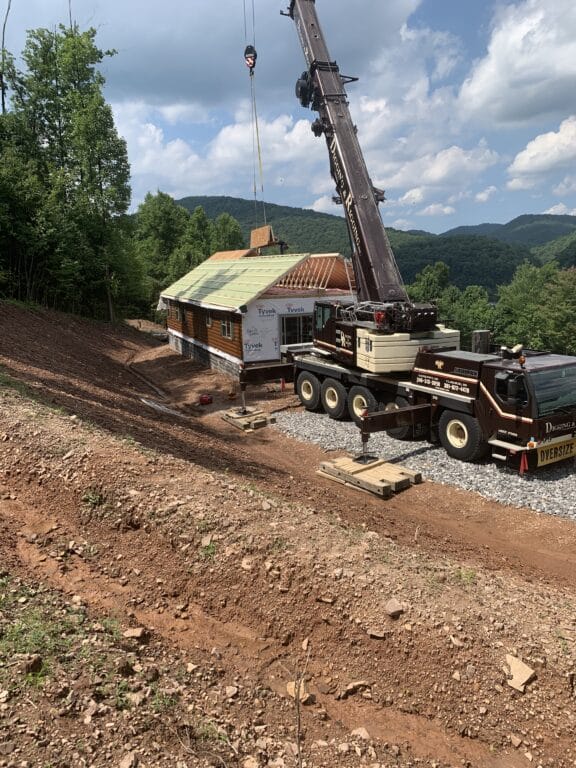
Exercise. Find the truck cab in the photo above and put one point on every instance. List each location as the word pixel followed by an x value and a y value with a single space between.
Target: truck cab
pixel 523 408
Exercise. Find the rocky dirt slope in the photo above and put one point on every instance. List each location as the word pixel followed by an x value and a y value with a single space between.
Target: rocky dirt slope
pixel 165 580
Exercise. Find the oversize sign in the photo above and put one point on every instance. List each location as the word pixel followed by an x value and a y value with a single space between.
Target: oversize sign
pixel 548 454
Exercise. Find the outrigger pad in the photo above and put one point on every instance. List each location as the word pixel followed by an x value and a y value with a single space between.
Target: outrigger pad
pixel 263 237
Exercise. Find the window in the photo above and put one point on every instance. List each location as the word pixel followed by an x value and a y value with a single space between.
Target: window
pixel 323 314
pixel 296 329
pixel 208 319
pixel 226 329
pixel 175 311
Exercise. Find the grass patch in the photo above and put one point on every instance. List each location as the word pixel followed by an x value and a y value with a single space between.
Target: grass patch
pixel 466 576
pixel 208 552
pixel 162 702
pixel 36 632
pixel 93 497
pixel 9 382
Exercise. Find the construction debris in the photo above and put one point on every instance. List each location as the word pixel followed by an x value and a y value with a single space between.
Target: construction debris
pixel 248 419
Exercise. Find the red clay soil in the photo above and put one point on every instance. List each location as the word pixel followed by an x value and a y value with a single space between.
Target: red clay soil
pixel 119 492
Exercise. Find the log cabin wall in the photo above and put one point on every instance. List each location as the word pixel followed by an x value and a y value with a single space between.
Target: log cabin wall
pixel 205 333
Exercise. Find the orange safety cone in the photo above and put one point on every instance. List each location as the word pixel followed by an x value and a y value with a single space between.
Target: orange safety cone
pixel 523 463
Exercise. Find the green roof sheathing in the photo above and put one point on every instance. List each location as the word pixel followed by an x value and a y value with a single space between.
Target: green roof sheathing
pixel 232 284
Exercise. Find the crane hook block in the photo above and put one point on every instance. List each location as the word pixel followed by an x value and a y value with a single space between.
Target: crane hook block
pixel 250 57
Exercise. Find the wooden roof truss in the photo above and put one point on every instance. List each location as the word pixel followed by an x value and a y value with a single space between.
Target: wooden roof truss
pixel 315 273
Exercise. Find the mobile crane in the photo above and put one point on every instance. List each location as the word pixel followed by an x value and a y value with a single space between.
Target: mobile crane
pixel 384 360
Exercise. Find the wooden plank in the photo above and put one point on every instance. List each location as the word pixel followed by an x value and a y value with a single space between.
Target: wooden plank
pixel 350 465
pixel 250 421
pixel 379 477
pixel 376 472
pixel 339 480
pixel 379 488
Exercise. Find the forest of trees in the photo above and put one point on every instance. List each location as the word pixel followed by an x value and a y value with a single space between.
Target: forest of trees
pixel 68 242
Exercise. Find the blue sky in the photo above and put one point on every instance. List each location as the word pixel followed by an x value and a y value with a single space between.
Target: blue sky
pixel 466 111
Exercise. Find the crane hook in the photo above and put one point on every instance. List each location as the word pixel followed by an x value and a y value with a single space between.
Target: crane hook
pixel 250 57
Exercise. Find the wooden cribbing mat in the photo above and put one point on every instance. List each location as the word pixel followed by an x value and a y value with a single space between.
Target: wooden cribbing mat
pixel 379 476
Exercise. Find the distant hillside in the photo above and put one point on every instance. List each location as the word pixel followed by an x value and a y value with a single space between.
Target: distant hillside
pixel 530 229
pixel 472 260
pixel 487 254
pixel 563 250
pixel 304 230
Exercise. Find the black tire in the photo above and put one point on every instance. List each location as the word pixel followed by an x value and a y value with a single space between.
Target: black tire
pixel 408 432
pixel 308 391
pixel 359 400
pixel 461 436
pixel 334 398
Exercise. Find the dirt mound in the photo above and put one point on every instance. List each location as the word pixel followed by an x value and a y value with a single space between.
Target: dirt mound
pixel 164 577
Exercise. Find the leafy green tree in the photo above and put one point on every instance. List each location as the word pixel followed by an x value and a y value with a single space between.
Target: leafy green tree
pixel 194 247
pixel 430 284
pixel 159 228
pixel 468 310
pixel 520 304
pixel 226 234
pixel 557 316
pixel 65 245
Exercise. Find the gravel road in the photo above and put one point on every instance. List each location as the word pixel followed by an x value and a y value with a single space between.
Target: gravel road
pixel 551 490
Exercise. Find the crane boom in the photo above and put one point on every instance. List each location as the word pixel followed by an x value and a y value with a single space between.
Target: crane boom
pixel 322 88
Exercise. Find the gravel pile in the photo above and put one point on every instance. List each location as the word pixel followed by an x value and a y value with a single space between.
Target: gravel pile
pixel 551 489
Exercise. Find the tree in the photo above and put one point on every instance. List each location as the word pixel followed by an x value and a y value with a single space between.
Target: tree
pixel 226 234
pixel 194 247
pixel 468 310
pixel 557 316
pixel 520 306
pixel 160 226
pixel 65 248
pixel 4 58
pixel 430 283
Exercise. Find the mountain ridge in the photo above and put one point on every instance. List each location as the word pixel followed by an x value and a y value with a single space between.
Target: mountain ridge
pixel 531 229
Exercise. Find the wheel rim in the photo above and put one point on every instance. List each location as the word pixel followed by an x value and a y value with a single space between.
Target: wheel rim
pixel 359 405
pixel 457 434
pixel 331 397
pixel 306 390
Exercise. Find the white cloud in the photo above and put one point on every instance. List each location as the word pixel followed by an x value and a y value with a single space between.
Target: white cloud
pixel 437 209
pixel 561 210
pixel 184 113
pixel 530 67
pixel 412 197
pixel 486 194
pixel 325 204
pixel 402 224
pixel 544 156
pixel 223 164
pixel 566 187
pixel 446 169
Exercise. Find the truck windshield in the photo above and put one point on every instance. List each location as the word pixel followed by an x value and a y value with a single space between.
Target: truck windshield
pixel 555 389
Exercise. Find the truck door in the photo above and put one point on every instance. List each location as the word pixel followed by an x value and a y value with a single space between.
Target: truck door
pixel 504 404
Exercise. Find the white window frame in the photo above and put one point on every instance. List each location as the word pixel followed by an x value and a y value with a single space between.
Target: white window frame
pixel 226 328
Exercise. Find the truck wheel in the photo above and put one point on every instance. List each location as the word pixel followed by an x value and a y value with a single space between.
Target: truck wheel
pixel 308 391
pixel 398 433
pixel 461 436
pixel 418 432
pixel 361 399
pixel 333 396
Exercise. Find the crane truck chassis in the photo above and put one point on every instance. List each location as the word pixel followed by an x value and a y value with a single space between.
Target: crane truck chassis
pixel 385 361
pixel 518 407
